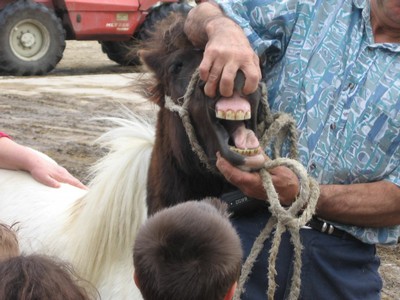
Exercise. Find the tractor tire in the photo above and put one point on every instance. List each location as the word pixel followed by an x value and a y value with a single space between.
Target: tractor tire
pixel 32 39
pixel 124 53
pixel 120 51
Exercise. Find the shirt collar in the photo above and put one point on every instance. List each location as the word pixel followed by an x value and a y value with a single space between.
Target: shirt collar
pixel 365 6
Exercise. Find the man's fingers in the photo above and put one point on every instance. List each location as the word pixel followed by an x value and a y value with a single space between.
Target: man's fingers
pixel 204 68
pixel 210 73
pixel 224 167
pixel 220 73
pixel 225 81
pixel 210 87
pixel 226 84
pixel 253 77
pixel 232 174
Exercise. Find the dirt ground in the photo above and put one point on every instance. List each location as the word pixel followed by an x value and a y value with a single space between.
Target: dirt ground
pixel 57 113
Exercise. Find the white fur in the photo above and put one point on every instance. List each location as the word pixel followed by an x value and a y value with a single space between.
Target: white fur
pixel 94 230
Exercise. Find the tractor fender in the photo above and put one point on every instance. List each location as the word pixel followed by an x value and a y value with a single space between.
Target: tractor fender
pixel 145 5
pixel 48 3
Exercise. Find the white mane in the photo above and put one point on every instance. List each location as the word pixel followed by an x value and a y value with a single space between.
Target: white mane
pixel 94 230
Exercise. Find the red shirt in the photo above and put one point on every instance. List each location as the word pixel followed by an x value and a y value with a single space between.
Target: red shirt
pixel 2 134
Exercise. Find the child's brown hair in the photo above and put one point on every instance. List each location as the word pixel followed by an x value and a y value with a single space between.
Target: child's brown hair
pixel 9 246
pixel 39 277
pixel 188 251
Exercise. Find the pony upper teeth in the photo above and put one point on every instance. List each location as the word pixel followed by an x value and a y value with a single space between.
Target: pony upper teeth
pixel 233 115
pixel 240 115
pixel 230 115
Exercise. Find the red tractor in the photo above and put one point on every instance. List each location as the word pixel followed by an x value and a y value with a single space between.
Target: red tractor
pixel 33 32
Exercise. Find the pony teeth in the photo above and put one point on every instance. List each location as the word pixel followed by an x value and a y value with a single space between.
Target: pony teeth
pixel 245 152
pixel 239 115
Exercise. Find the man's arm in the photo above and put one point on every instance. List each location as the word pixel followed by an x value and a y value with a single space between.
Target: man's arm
pixel 375 204
pixel 227 50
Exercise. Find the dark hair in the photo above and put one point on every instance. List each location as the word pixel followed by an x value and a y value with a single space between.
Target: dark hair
pixel 39 277
pixel 188 251
pixel 9 245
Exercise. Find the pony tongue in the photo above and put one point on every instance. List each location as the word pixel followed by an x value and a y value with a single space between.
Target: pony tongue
pixel 244 138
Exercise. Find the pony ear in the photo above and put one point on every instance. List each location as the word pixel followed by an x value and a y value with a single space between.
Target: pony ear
pixel 166 37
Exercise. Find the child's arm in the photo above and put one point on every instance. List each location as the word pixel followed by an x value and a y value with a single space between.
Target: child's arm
pixel 14 156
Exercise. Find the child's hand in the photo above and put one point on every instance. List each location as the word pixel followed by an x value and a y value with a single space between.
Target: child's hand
pixel 14 156
pixel 53 175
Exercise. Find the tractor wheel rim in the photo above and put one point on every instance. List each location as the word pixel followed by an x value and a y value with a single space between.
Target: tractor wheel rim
pixel 29 40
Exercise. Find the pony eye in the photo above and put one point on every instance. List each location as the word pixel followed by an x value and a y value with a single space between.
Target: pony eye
pixel 175 68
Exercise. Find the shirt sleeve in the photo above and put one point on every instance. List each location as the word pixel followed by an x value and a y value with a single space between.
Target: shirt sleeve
pixel 267 24
pixel 394 177
pixel 2 134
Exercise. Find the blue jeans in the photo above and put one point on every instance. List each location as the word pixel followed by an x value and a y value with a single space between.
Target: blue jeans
pixel 332 268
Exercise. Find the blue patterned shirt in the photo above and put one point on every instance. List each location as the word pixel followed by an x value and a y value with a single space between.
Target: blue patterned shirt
pixel 323 67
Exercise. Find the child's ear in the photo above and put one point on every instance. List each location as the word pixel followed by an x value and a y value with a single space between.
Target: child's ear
pixel 231 291
pixel 136 280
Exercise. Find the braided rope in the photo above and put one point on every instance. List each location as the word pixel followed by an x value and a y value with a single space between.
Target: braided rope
pixel 274 129
pixel 184 114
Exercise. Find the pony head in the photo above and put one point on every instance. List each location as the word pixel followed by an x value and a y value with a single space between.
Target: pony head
pixel 220 124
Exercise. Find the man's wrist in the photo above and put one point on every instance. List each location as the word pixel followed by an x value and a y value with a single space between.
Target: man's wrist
pixel 196 21
pixel 216 23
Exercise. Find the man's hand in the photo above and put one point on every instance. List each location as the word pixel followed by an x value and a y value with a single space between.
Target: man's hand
pixel 285 181
pixel 227 50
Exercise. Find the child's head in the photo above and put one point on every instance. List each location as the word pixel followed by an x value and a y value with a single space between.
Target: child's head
pixel 188 251
pixel 9 246
pixel 38 277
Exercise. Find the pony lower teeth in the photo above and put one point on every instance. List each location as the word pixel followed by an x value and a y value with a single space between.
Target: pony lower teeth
pixel 245 152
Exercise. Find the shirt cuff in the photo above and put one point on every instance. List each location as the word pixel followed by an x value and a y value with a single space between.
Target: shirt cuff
pixel 2 134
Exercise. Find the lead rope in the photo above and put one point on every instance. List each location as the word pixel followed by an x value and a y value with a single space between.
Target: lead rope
pixel 274 128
